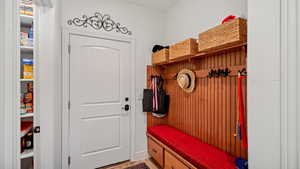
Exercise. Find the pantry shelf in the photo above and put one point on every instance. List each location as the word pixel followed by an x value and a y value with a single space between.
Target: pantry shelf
pixel 27 154
pixel 26 115
pixel 26 49
pixel 26 20
pixel 27 80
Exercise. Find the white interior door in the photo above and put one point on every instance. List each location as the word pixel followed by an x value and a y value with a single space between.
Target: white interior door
pixel 99 85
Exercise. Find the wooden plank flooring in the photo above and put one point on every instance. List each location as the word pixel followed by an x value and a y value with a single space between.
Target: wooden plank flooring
pixel 123 165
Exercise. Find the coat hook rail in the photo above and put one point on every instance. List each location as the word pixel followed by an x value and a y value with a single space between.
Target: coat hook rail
pixel 231 71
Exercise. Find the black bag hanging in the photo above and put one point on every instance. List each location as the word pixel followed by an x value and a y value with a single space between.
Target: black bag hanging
pixel 162 99
pixel 163 102
pixel 147 100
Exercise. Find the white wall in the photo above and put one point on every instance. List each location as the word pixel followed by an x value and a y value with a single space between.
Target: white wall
pixel 49 59
pixel 2 129
pixel 190 17
pixel 264 83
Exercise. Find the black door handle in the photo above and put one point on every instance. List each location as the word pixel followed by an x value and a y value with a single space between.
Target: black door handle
pixel 126 107
pixel 37 129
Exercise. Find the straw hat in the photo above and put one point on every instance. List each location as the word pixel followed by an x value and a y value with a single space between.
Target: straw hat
pixel 186 80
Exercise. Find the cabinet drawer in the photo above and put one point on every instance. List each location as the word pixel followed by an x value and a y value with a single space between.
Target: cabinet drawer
pixel 172 162
pixel 156 152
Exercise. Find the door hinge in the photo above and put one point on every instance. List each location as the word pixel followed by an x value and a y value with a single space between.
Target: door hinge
pixel 69 160
pixel 69 105
pixel 69 49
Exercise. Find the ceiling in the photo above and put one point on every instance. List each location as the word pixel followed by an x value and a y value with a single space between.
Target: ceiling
pixel 156 4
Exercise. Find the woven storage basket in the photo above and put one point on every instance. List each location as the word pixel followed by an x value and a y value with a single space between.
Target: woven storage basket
pixel 160 57
pixel 183 49
pixel 225 35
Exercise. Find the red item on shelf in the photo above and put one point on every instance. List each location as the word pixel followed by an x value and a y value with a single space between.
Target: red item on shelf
pixel 25 128
pixel 228 19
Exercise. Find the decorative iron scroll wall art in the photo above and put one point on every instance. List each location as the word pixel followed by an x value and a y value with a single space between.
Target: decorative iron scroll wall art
pixel 99 21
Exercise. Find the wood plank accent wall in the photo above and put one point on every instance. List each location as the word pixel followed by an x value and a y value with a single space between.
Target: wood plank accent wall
pixel 210 112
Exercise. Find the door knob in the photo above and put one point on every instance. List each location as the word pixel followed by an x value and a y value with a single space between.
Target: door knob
pixel 126 107
pixel 37 129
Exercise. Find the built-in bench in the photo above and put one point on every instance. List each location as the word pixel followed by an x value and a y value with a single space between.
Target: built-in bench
pixel 173 149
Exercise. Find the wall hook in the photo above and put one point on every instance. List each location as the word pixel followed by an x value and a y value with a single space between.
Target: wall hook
pixel 242 72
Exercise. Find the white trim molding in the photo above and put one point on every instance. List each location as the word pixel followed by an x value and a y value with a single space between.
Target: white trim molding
pixel 48 76
pixel 2 89
pixel 142 155
pixel 290 84
pixel 9 84
pixel 298 82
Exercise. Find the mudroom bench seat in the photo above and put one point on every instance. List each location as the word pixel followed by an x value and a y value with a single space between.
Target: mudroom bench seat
pixel 173 149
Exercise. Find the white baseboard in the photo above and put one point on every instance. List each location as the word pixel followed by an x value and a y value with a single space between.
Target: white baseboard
pixel 142 155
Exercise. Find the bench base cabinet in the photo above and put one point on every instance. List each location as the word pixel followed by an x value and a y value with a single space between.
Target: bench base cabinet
pixel 156 152
pixel 165 157
pixel 172 162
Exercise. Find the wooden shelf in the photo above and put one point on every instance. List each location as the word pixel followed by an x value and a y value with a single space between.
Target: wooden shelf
pixel 27 154
pixel 26 20
pixel 200 55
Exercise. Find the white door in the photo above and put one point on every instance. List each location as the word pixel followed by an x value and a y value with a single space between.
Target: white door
pixel 99 85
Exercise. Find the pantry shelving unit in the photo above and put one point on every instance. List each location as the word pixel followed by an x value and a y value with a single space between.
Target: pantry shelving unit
pixel 27 84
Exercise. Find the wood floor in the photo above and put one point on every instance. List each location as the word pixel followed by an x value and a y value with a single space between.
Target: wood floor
pixel 123 165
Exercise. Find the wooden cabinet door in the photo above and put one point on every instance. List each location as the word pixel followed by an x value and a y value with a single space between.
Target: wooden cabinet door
pixel 156 152
pixel 172 162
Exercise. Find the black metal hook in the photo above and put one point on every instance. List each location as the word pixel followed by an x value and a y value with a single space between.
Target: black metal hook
pixel 242 72
pixel 219 73
pixel 175 77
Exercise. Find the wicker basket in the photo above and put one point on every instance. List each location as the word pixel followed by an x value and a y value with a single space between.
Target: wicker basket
pixel 183 49
pixel 160 57
pixel 225 35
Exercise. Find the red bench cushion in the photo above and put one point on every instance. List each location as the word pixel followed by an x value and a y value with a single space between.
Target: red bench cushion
pixel 192 149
